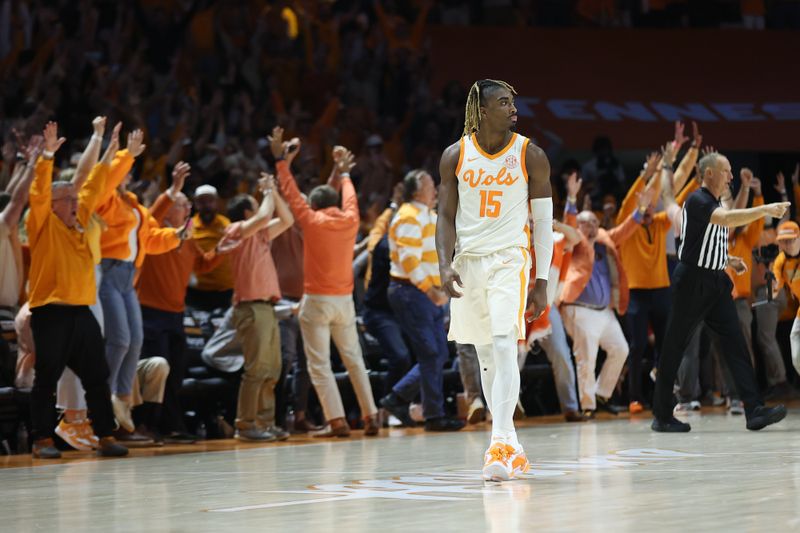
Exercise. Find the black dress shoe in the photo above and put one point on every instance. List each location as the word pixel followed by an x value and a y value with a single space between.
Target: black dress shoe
pixel 45 449
pixel 443 423
pixel 132 439
pixel 604 404
pixel 304 426
pixel 762 416
pixel 575 416
pixel 109 447
pixel 673 425
pixel 392 403
pixel 337 428
pixel 176 437
pixel 372 425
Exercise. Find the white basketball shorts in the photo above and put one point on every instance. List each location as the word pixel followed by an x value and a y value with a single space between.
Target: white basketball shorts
pixel 494 296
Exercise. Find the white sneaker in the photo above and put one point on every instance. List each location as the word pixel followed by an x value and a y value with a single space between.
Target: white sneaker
pixel 682 408
pixel 694 405
pixel 736 407
pixel 122 412
pixel 415 412
pixel 476 412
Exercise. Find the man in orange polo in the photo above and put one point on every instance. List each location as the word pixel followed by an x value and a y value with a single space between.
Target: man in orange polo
pixel 327 309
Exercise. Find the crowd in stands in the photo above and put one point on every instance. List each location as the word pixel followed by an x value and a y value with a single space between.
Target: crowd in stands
pixel 230 277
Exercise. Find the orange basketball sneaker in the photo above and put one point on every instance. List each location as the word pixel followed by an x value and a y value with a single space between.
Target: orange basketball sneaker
pixel 503 462
pixel 497 462
pixel 519 462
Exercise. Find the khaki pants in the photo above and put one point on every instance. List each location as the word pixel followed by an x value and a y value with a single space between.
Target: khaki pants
pixel 257 329
pixel 150 381
pixel 323 317
pixel 591 329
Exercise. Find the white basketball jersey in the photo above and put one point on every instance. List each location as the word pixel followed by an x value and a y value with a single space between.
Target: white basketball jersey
pixel 492 198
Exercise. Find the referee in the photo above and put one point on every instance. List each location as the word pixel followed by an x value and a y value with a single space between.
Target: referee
pixel 702 293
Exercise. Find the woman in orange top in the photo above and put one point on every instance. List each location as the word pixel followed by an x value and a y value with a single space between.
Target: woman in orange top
pixel 132 233
pixel 787 272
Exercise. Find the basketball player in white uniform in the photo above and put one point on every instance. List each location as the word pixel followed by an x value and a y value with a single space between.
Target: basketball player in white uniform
pixel 491 180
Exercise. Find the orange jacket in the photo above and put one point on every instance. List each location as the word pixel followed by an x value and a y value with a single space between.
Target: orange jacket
pixel 582 264
pixel 742 246
pixel 329 236
pixel 117 211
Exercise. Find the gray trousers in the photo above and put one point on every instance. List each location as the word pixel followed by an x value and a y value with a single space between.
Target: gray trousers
pixel 689 371
pixel 767 320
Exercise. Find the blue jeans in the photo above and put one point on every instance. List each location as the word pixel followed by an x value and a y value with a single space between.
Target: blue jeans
pixel 423 324
pixel 560 357
pixel 123 324
pixel 383 325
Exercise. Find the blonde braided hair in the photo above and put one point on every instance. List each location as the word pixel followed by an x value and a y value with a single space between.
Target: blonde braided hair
pixel 472 111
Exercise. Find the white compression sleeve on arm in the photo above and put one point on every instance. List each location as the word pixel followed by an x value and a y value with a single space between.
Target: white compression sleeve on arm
pixel 542 209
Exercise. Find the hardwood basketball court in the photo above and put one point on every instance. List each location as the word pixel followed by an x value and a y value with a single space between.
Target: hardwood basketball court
pixel 610 475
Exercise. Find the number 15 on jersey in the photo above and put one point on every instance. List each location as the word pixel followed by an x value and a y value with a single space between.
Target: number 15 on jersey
pixel 490 203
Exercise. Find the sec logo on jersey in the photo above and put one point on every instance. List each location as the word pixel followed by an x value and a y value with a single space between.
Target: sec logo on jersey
pixel 511 162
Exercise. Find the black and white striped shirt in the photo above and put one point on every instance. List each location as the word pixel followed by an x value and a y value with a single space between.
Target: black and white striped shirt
pixel 703 244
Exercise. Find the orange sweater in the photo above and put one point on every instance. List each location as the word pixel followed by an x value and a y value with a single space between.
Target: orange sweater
pixel 329 236
pixel 117 210
pixel 62 268
pixel 742 246
pixel 164 278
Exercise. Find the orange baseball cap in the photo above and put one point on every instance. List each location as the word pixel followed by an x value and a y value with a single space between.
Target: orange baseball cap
pixel 788 230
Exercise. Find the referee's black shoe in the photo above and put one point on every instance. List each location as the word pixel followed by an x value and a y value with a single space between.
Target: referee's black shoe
pixel 762 416
pixel 673 425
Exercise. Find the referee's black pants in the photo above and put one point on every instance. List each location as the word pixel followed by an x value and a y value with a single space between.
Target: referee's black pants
pixel 68 335
pixel 701 295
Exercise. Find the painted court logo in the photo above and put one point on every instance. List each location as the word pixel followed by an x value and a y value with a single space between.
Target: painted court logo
pixel 455 485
